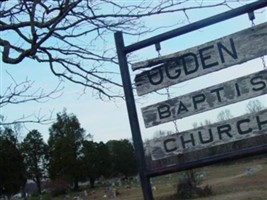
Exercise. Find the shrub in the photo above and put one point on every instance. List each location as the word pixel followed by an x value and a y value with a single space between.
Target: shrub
pixel 188 186
pixel 204 192
pixel 57 187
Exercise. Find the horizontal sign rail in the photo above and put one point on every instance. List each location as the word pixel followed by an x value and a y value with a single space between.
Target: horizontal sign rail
pixel 216 55
pixel 196 25
pixel 236 129
pixel 223 94
pixel 204 161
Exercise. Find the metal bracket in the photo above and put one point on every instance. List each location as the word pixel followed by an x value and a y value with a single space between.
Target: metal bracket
pixel 251 16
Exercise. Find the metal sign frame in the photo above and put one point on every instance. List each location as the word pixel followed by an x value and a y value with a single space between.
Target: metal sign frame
pixel 122 51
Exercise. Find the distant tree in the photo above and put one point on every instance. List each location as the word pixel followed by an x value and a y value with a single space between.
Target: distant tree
pixel 206 123
pixel 89 161
pixel 103 161
pixel 122 157
pixel 12 170
pixel 224 115
pixel 195 124
pixel 35 152
pixel 9 134
pixel 161 133
pixel 254 106
pixel 65 149
pixel 96 160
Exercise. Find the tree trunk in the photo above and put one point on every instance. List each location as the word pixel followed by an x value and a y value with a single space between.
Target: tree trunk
pixel 76 185
pixel 39 186
pixel 92 182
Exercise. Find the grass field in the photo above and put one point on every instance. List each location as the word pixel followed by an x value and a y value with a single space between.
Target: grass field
pixel 240 180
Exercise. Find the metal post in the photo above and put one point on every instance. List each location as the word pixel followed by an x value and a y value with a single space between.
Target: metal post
pixel 122 51
pixel 133 118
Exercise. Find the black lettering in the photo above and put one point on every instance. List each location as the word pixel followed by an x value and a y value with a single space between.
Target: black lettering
pixel 224 129
pixel 261 123
pixel 217 91
pixel 210 139
pixel 189 58
pixel 164 111
pixel 206 57
pixel 237 89
pixel 182 108
pixel 191 140
pixel 257 81
pixel 177 71
pixel 198 99
pixel 232 53
pixel 157 72
pixel 243 131
pixel 166 146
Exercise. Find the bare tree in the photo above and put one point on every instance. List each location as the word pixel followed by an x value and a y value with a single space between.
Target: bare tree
pixel 205 123
pixel 195 124
pixel 224 115
pixel 23 92
pixel 70 36
pixel 161 133
pixel 254 106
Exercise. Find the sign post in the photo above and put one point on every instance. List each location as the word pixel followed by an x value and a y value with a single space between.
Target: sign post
pixel 133 118
pixel 202 62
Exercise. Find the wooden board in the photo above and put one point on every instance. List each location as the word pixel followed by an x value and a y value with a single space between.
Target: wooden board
pixel 231 50
pixel 236 129
pixel 223 94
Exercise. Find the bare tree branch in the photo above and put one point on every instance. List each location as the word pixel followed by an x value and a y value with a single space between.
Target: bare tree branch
pixel 67 34
pixel 35 118
pixel 23 92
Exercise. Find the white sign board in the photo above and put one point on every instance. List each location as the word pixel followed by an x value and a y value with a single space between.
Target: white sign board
pixel 224 132
pixel 231 50
pixel 223 94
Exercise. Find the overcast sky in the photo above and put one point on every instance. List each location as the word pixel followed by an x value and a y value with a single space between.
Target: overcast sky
pixel 107 120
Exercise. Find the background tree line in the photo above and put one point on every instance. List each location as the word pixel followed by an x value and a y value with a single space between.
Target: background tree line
pixel 70 156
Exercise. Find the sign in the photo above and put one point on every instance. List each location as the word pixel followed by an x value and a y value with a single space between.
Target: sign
pixel 224 132
pixel 223 94
pixel 231 50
